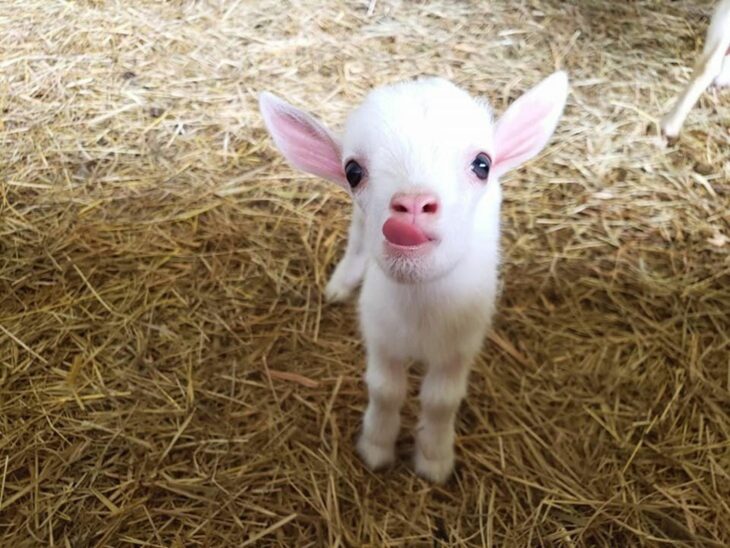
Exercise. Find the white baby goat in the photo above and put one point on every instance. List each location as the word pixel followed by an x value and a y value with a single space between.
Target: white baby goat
pixel 421 161
pixel 712 66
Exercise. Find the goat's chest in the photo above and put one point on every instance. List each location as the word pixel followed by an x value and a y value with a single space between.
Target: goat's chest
pixel 425 324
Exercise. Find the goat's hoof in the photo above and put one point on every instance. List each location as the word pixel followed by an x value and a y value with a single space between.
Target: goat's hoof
pixel 436 470
pixel 343 283
pixel 722 81
pixel 336 291
pixel 670 133
pixel 375 456
pixel 670 138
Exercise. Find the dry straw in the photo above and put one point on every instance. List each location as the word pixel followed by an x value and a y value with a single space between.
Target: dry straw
pixel 170 374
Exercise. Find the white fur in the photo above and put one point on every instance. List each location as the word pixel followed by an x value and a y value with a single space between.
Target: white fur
pixel 712 66
pixel 423 136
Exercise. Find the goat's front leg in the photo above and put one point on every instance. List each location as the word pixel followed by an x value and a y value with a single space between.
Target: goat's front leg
pixel 443 388
pixel 386 379
pixel 706 70
pixel 350 271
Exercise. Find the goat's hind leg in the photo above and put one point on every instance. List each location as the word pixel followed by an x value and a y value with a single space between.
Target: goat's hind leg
pixel 723 79
pixel 707 69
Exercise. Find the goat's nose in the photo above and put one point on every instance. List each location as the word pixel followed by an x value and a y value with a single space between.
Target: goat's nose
pixel 414 204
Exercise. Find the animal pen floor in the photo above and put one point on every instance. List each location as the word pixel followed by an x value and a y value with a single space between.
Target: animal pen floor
pixel 170 373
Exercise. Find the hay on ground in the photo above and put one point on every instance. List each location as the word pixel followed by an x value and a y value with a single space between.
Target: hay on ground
pixel 170 373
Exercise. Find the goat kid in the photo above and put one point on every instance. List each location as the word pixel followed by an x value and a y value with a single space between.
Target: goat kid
pixel 421 161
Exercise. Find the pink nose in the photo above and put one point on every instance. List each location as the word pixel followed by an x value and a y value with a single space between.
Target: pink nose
pixel 414 204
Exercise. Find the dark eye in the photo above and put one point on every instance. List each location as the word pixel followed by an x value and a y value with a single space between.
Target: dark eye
pixel 354 173
pixel 480 166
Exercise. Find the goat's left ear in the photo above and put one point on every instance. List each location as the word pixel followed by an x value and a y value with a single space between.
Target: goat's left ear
pixel 525 128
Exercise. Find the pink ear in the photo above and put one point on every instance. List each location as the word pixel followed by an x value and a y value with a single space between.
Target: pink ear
pixel 529 122
pixel 304 141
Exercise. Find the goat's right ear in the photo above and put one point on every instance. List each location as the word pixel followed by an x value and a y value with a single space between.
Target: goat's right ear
pixel 304 141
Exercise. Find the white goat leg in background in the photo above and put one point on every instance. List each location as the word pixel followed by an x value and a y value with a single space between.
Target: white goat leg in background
pixel 723 80
pixel 719 33
pixel 712 66
pixel 350 270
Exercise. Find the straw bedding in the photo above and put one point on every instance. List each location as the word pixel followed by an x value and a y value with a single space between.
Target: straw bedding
pixel 170 373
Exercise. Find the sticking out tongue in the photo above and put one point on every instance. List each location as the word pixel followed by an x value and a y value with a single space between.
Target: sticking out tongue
pixel 405 234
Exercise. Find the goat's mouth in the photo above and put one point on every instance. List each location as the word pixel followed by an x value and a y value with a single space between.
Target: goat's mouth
pixel 395 251
pixel 408 264
pixel 409 251
pixel 406 239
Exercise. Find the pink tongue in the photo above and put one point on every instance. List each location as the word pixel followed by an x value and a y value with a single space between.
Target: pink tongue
pixel 400 233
